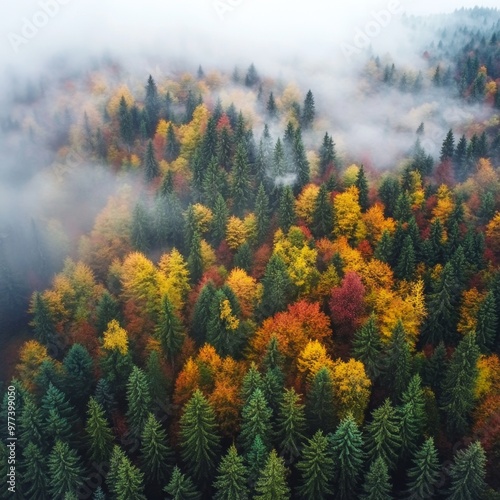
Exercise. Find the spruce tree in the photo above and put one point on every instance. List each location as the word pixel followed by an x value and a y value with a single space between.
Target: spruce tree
pixel 43 323
pixel 405 267
pixel 79 368
pixel 156 455
pixel 54 399
pixel 201 313
pixel 169 330
pixel 322 225
pixel 279 160
pixel 243 257
pixel 157 381
pixel 272 109
pixel 486 325
pixel 65 471
pixel 34 473
pixel 31 424
pixel 181 487
pixel 460 160
pixel 98 431
pixel 309 111
pixel 316 468
pixel 251 381
pixel 255 420
pixel 377 484
pixel 256 460
pixel 448 147
pixel 58 427
pixel 398 361
pixel 291 425
pixel 384 439
pixel 129 482
pixel 138 401
pixel 141 235
pixel 301 162
pixel 276 287
pixel 272 484
pixel 231 480
pixel 424 474
pixel 346 446
pixel 107 310
pixel 262 213
pixel 195 260
pixel 104 395
pixel 241 185
pixel 219 223
pixel 286 209
pixel 150 164
pixel 152 104
pixel 384 248
pixel 409 429
pixel 468 473
pixel 126 127
pixel 252 77
pixel 327 155
pixel 199 440
pixel 362 185
pixel 172 148
pixel 320 405
pixel 367 348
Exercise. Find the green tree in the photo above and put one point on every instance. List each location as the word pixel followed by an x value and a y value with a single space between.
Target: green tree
pixel 169 330
pixel 219 223
pixel 272 109
pixel 201 313
pixel 377 484
pixel 398 361
pixel 316 468
pixel 309 111
pixel 31 424
pixel 117 455
pixel 448 147
pixel 243 257
pixel 141 235
pixel 291 425
pixel 231 480
pixel 129 482
pixel 54 399
pixel 322 224
pixel 199 439
pixel 486 326
pixel 468 473
pixel 301 162
pixel 255 420
pixel 181 487
pixel 272 484
pixel 286 209
pixel 262 213
pixel 43 323
pixel 150 164
pixel 320 404
pixel 276 287
pixel 100 437
pixel 79 378
pixel 362 185
pixel 405 267
pixel 34 473
pixel 138 401
pixel 425 472
pixel 346 446
pixel 126 128
pixel 367 348
pixel 107 310
pixel 327 155
pixel 384 248
pixel 157 381
pixel 172 147
pixel 241 185
pixel 152 105
pixel 104 395
pixel 66 473
pixel 195 260
pixel 251 381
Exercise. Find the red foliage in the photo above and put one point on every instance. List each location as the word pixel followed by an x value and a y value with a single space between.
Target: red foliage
pixel 223 123
pixel 306 232
pixel 260 260
pixel 346 303
pixel 365 248
pixel 224 254
pixel 444 173
pixel 85 334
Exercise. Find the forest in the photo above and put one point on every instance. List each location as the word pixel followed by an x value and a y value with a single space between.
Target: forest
pixel 219 299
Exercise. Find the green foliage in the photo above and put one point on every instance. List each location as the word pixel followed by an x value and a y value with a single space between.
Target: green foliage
pixel 277 284
pixel 79 368
pixel 291 425
pixel 377 484
pixel 367 348
pixel 424 474
pixel 286 209
pixel 272 484
pixel 99 433
pixel 322 225
pixel 256 420
pixel 138 401
pixel 398 361
pixel 66 473
pixel 181 487
pixel 230 482
pixel 34 476
pixel 320 404
pixel 150 164
pixel 169 330
pixel 468 472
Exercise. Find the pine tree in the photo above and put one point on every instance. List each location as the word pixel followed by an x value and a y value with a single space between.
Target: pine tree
pixel 316 468
pixel 199 440
pixel 241 185
pixel 262 213
pixel 31 424
pixel 169 330
pixel 272 484
pixel 255 420
pixel 384 439
pixel 279 160
pixel 320 405
pixel 43 323
pixel 322 225
pixel 377 484
pixel 398 361
pixel 486 326
pixel 173 147
pixel 384 248
pixel 468 473
pixel 181 487
pixel 152 104
pixel 251 381
pixel 107 310
pixel 54 399
pixel 414 395
pixel 460 160
pixel 151 167
pixel 327 155
pixel 99 494
pixel 346 446
pixel 105 397
pixel 286 209
pixel 435 369
pixel 301 162
pixel 362 185
pixel 129 482
pixel 405 267
pixel 272 109
pixel 367 348
pixel 276 287
pixel 141 235
pixel 209 144
pixel 65 470
pixel 34 472
pixel 138 401
pixel 448 147
pixel 425 473
pixel 243 257
pixel 309 111
pixel 409 429
pixel 201 313
pixel 79 368
pixel 156 455
pixel 230 482
pixel 459 384
pixel 252 77
pixel 126 128
pixel 219 223
pixel 195 260
pixel 58 427
pixel 291 425
pixel 157 380
pixel 99 433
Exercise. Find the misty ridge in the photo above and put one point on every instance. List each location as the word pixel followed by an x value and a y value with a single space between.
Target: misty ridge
pixel 371 94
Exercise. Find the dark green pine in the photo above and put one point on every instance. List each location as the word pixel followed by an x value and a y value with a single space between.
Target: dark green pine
pixel 468 473
pixel 232 476
pixel 322 225
pixel 367 348
pixel 291 425
pixel 377 485
pixel 255 420
pixel 98 431
pixel 138 401
pixel 320 405
pixel 181 487
pixel 65 471
pixel 424 474
pixel 150 164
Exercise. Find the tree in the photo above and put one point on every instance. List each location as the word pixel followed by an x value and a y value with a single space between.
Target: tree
pixel 262 213
pixel 172 147
pixel 169 330
pixel 201 313
pixel 272 484
pixel 309 111
pixel 152 104
pixel 425 472
pixel 256 420
pixel 327 155
pixel 99 434
pixel 195 260
pixel 383 431
pixel 458 387
pixel 252 77
pixel 141 235
pixel 241 185
pixel 138 401
pixel 126 126
pixel 129 482
pixel 276 287
pixel 346 446
pixel 362 185
pixel 156 455
pixel 150 164
pixel 316 468
pixel 231 479
pixel 272 109
pixel 377 484
pixel 398 361
pixel 219 223
pixel 181 487
pixel 291 425
pixel 199 440
pixel 43 323
pixel 301 162
pixel 320 406
pixel 405 267
pixel 79 368
pixel 105 397
pixel 107 310
pixel 34 478
pixel 286 209
pixel 486 326
pixel 346 302
pixel 322 224
pixel 55 400
pixel 367 348
pixel 31 424
pixel 448 147
pixel 468 473
pixel 65 470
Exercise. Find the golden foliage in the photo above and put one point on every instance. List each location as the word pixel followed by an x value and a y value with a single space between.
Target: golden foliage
pixel 115 338
pixel 245 288
pixel 304 205
pixel 348 217
pixel 469 307
pixel 236 232
pixel 376 223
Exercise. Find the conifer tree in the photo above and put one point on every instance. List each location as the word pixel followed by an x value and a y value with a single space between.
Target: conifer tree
pixel 398 361
pixel 272 109
pixel 435 369
pixel 79 368
pixel 54 399
pixel 43 323
pixel 201 313
pixel 262 213
pixel 414 395
pixel 367 348
pixel 126 127
pixel 486 326
pixel 105 397
pixel 425 472
pixel 152 104
pixel 320 405
pixel 129 482
pixel 100 437
pixel 252 77
pixel 468 473
pixel 195 260
pixel 31 424
pixel 34 473
pixel 286 209
pixel 255 420
pixel 316 468
pixel 230 482
pixel 309 111
pixel 272 484
pixel 405 267
pixel 256 460
pixel 377 484
pixel 291 425
pixel 138 401
pixel 169 330
pixel 409 429
pixel 241 185
pixel 276 287
pixel 199 439
pixel 301 162
pixel 219 223
pixel 384 248
pixel 156 455
pixel 362 185
pixel 181 487
pixel 384 439
pixel 327 154
pixel 141 235
pixel 157 381
pixel 279 160
pixel 58 427
pixel 66 473
pixel 107 310
pixel 346 446
pixel 243 257
pixel 172 148
pixel 151 167
pixel 117 455
pixel 448 147
pixel 322 225
pixel 460 160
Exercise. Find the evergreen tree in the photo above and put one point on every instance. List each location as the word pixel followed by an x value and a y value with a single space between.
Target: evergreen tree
pixel 346 446
pixel 435 369
pixel 219 223
pixel 316 468
pixel 172 147
pixel 256 460
pixel 398 359
pixel 105 397
pixel 384 439
pixel 157 381
pixel 322 225
pixel 410 431
pixel 199 440
pixel 230 483
pixel 150 165
pixel 100 437
pixel 117 455
pixel 107 310
pixel 414 395
pixel 31 424
pixel 225 148
pixel 241 186
pixel 79 368
pixel 190 106
pixel 405 267
pixel 276 287
pixel 309 111
pixel 169 330
pixel 141 231
pixel 152 104
pixel 468 473
pixel 262 213
pixel 209 144
pixel 384 248
pixel 367 348
pixel 291 425
pixel 195 260
pixel 425 472
pixel 201 313
pixel 58 427
pixel 256 420
pixel 272 109
pixel 327 155
pixel 362 185
pixel 126 126
pixel 460 160
pixel 389 192
pixel 34 473
pixel 243 257
pixel 286 210
pixel 459 384
pixel 279 166
pixel 43 323
pixel 156 455
pixel 320 405
pixel 448 147
pixel 252 77
pixel 65 470
pixel 377 484
pixel 54 399
pixel 272 484
pixel 138 401
pixel 402 210
pixel 251 381
pixel 129 482
pixel 301 162
pixel 486 326
pixel 181 487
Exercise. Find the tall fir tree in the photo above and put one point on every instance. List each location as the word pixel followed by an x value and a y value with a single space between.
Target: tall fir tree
pixel 320 404
pixel 172 147
pixel 272 482
pixel 129 482
pixel 286 210
pixel 195 259
pixel 468 473
pixel 219 223
pixel 255 420
pixel 169 331
pixel 362 185
pixel 107 310
pixel 276 287
pixel 232 477
pixel 141 235
pixel 201 313
pixel 327 155
pixel 181 487
pixel 43 324
pixel 367 348
pixel 262 213
pixel 309 111
pixel 31 424
pixel 98 431
pixel 398 361
pixel 424 475
pixel 79 376
pixel 65 471
pixel 241 185
pixel 448 147
pixel 138 401
pixel 291 425
pixel 34 473
pixel 150 164
pixel 486 325
pixel 322 223
pixel 377 485
pixel 152 104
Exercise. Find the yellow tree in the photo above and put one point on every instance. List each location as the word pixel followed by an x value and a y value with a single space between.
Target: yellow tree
pixel 174 268
pixel 376 223
pixel 236 232
pixel 348 217
pixel 305 203
pixel 312 358
pixel 469 307
pixel 444 205
pixel 31 355
pixel 192 133
pixel 246 290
